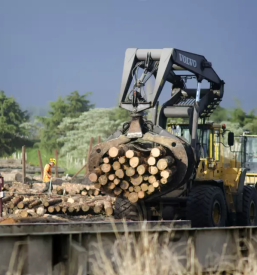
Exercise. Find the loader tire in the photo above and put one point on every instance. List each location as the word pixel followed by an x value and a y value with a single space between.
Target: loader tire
pixel 124 209
pixel 249 214
pixel 206 207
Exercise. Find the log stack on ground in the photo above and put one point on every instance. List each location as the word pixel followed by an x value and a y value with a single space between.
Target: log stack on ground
pixel 134 171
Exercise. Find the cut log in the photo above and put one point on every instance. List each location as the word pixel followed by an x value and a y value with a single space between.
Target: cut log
pixel 50 209
pixel 117 191
pixel 23 204
pixel 164 180
pixel 116 165
pixel 84 193
pixel 108 208
pixel 85 208
pixel 136 179
pixel 111 177
pixel 40 211
pixel 119 173
pixel 141 169
pixel 144 186
pixel 57 208
pixel 153 170
pixel 64 209
pixel 156 184
pixel 52 202
pixel 96 192
pixel 133 197
pixel 124 185
pixel 111 185
pixel 6 199
pixel 106 167
pixel 106 160
pixel 15 201
pixel 98 206
pixel 97 185
pixel 146 178
pixel 115 152
pixel 158 152
pixel 103 179
pixel 151 189
pixel 151 161
pixel 93 177
pixel 122 160
pixel 152 179
pixel 130 172
pixel 137 189
pixel 135 161
pixel 131 153
pixel 125 166
pixel 59 190
pixel 164 163
pixel 116 181
pixel 141 194
pixel 35 203
pixel 131 189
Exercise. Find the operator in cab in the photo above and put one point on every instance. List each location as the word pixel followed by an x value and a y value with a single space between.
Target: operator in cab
pixel 48 173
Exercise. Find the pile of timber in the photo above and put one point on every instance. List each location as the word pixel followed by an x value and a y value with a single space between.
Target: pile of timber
pixel 134 171
pixel 69 198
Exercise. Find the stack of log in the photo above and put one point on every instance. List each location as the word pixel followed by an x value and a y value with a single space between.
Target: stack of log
pixel 68 198
pixel 133 171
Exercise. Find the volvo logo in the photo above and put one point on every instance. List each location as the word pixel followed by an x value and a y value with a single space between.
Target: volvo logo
pixel 187 60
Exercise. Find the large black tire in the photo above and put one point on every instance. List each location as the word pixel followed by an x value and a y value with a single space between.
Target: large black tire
pixel 249 214
pixel 206 207
pixel 124 209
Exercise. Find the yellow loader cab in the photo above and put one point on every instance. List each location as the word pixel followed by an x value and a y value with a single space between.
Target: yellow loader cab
pixel 220 166
pixel 249 156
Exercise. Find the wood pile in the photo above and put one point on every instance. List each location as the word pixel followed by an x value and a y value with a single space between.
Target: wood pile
pixel 69 198
pixel 134 172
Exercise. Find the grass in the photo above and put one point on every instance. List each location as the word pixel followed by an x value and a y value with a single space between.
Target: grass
pixel 32 159
pixel 154 254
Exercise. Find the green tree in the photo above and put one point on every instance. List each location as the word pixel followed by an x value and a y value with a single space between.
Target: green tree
pixel 12 136
pixel 71 106
pixel 77 104
pixel 219 115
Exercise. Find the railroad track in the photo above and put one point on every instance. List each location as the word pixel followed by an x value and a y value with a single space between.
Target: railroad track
pixel 49 247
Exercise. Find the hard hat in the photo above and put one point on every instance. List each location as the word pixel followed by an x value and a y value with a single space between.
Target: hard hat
pixel 53 160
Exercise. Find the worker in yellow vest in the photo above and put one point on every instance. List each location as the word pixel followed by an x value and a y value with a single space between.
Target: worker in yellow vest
pixel 48 173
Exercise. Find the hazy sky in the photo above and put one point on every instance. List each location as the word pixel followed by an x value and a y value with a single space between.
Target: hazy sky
pixel 53 47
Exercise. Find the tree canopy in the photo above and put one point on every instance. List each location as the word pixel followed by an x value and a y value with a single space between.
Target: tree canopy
pixel 12 134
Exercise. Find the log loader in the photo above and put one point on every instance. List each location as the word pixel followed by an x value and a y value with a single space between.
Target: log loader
pixel 182 173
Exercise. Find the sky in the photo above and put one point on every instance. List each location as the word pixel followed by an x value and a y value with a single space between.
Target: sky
pixel 51 48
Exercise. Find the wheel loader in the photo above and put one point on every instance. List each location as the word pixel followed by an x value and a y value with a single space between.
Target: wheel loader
pixel 201 186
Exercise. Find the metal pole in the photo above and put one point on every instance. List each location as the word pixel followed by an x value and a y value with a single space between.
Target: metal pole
pixel 88 154
pixel 56 165
pixel 23 163
pixel 195 116
pixel 99 139
pixel 40 163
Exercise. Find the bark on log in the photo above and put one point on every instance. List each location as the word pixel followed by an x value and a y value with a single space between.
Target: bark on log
pixel 52 202
pixel 6 199
pixel 35 203
pixel 15 201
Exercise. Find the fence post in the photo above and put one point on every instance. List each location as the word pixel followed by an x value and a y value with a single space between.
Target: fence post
pixel 88 154
pixel 56 165
pixel 40 163
pixel 1 200
pixel 23 163
pixel 99 139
